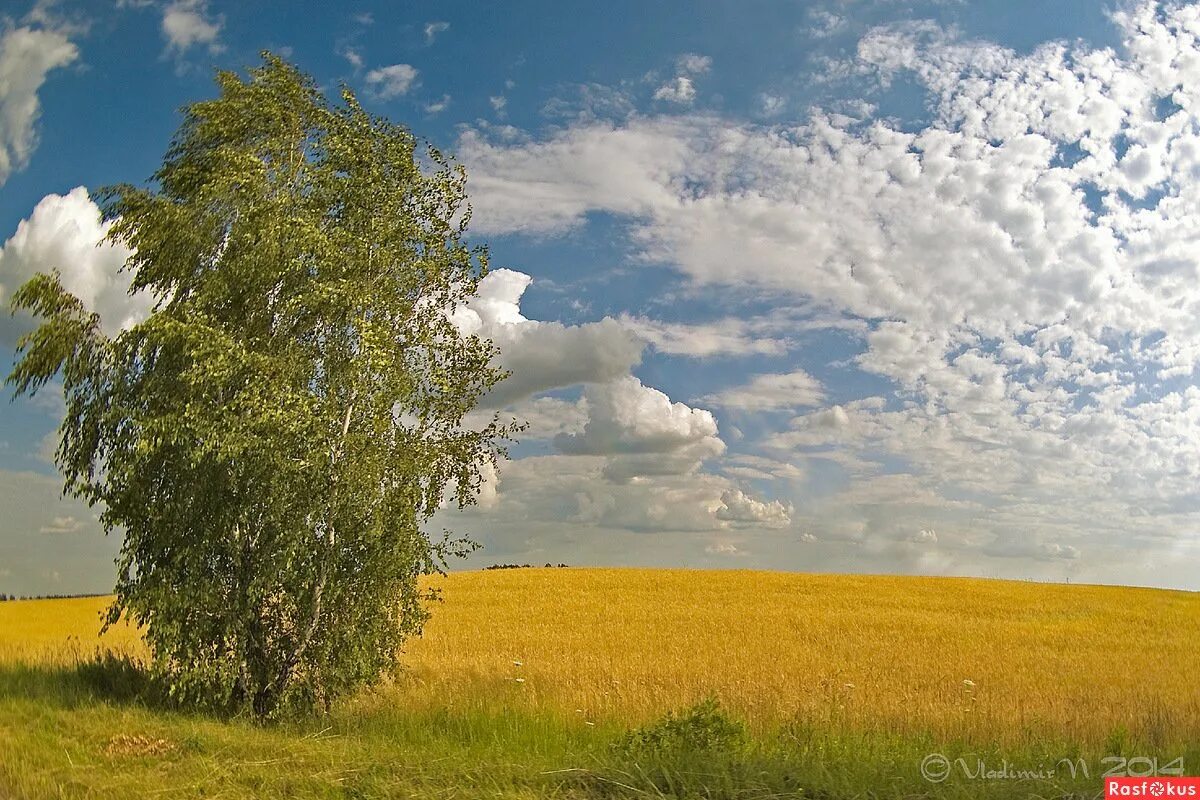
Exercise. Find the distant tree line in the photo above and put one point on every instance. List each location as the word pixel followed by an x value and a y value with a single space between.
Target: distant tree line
pixel 7 597
pixel 522 566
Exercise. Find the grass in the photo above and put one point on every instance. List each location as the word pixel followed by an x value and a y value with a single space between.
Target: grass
pixel 581 683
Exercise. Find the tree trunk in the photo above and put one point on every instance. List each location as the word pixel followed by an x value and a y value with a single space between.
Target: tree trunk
pixel 275 689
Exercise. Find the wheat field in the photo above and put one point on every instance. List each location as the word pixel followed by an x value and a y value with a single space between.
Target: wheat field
pixel 983 660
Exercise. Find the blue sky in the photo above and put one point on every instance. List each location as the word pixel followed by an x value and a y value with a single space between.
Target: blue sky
pixel 858 285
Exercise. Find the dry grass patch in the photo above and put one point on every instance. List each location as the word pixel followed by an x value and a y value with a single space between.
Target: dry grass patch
pixel 128 745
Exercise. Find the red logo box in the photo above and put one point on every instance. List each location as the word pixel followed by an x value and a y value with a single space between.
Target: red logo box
pixel 1152 788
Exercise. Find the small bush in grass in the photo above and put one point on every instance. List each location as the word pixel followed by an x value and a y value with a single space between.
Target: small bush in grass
pixel 700 752
pixel 703 729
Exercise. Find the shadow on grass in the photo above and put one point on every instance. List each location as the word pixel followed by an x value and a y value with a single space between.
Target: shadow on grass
pixel 104 677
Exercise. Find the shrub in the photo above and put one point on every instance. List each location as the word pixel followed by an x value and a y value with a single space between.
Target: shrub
pixel 701 730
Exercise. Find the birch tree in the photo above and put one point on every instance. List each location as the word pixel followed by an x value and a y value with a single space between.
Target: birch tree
pixel 272 441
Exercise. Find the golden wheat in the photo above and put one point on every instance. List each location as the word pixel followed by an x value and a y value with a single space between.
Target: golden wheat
pixel 972 658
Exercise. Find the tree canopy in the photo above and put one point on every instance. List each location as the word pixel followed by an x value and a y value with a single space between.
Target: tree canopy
pixel 272 440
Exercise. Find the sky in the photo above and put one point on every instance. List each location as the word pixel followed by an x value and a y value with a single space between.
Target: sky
pixel 870 286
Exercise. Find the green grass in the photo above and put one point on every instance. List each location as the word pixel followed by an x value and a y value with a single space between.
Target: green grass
pixel 95 732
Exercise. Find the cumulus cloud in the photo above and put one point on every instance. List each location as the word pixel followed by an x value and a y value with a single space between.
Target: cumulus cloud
pixel 391 81
pixel 547 187
pixel 188 23
pixel 747 467
pixel 570 501
pixel 27 55
pixel 353 56
pixel 65 233
pixel 642 432
pixel 625 416
pixel 489 488
pixel 680 90
pixel 771 105
pixel 543 355
pixel 740 508
pixel 722 549
pixel 693 64
pixel 62 525
pixel 646 450
pixel 438 106
pixel 1041 551
pixel 771 392
pixel 573 491
pixel 730 336
pixel 825 24
pixel 833 418
pixel 544 417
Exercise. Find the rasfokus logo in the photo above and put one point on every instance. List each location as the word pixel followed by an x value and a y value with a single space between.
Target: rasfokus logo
pixel 1151 787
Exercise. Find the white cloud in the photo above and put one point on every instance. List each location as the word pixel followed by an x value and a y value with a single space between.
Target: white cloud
pixel 679 89
pixel 571 498
pixel 639 435
pixel 391 81
pixel 489 489
pixel 626 417
pixel 544 417
pixel 771 105
pixel 548 417
pixel 642 432
pixel 26 56
pixel 498 103
pixel 748 467
pixel 65 232
pixel 432 29
pixel 438 106
pixel 61 525
pixel 353 56
pixel 188 23
pixel 825 24
pixel 543 355
pixel 592 101
pixel 693 64
pixel 730 336
pixel 548 187
pixel 740 508
pixel 722 549
pixel 771 392
pixel 1041 551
